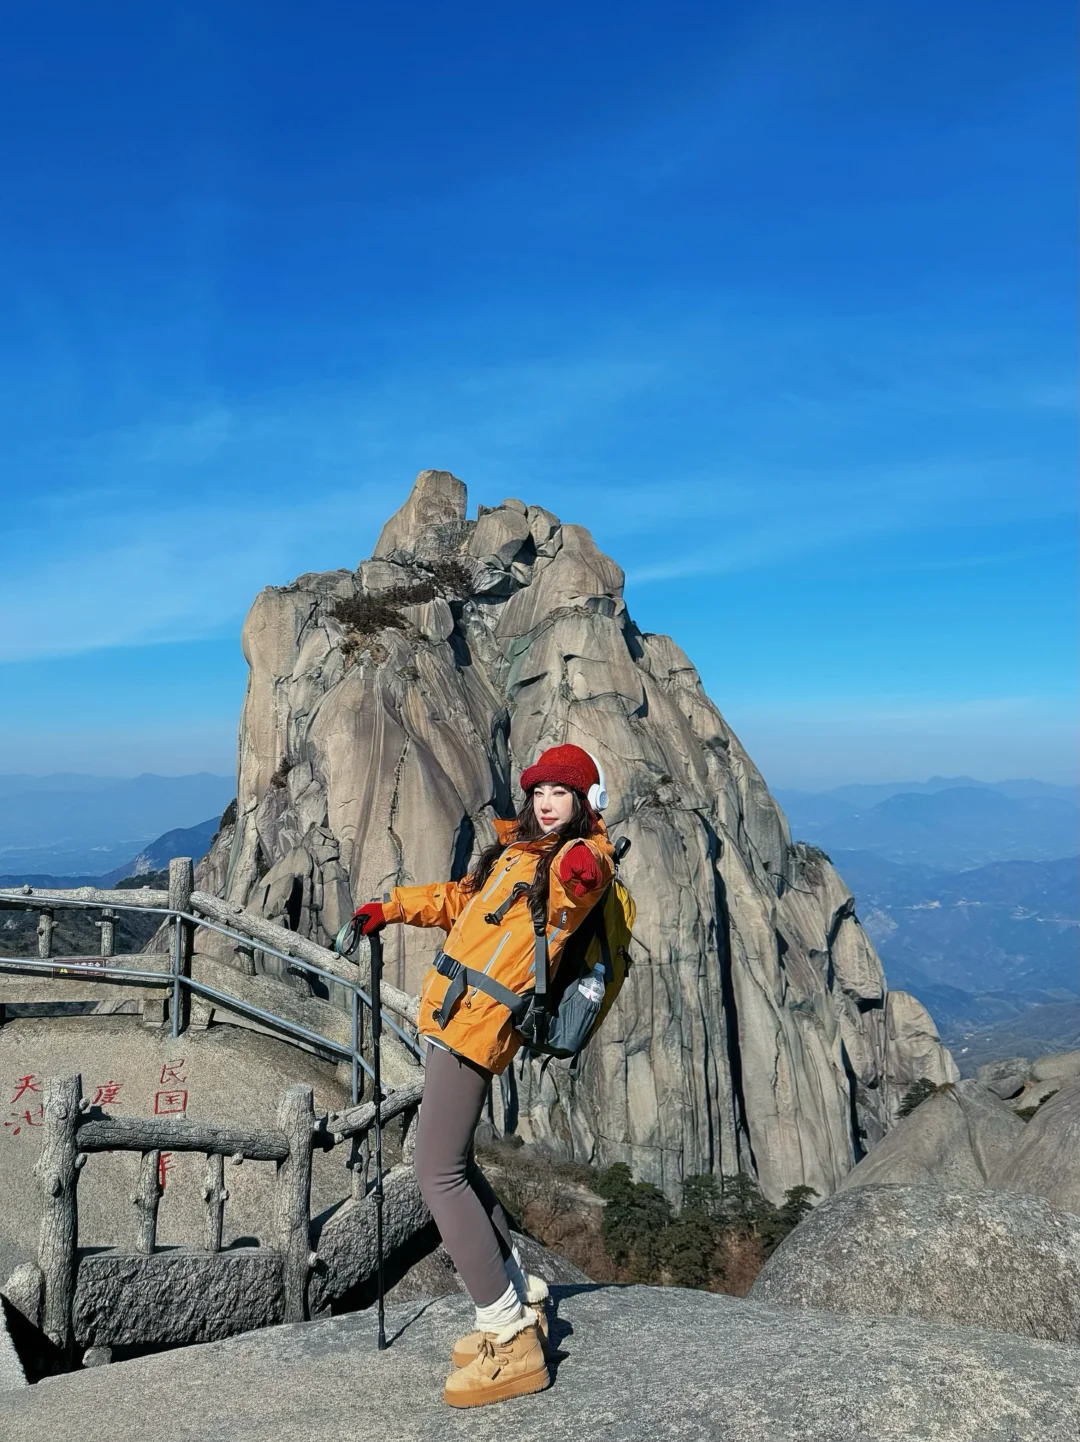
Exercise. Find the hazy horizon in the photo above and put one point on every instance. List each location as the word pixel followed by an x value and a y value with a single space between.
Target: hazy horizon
pixel 781 785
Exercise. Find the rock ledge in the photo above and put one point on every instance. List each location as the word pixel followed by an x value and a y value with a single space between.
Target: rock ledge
pixel 636 1363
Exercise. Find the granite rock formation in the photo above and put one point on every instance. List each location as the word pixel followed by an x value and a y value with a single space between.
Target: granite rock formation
pixel 955 1138
pixel 964 1135
pixel 389 711
pixel 1005 1078
pixel 1046 1075
pixel 980 1258
pixel 1046 1160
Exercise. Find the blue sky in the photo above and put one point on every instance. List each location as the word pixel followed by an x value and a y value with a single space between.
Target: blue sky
pixel 777 299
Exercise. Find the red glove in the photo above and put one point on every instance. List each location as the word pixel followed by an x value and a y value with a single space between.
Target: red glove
pixel 579 870
pixel 371 917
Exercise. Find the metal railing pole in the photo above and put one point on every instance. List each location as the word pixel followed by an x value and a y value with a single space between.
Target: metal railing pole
pixel 355 1046
pixel 376 1037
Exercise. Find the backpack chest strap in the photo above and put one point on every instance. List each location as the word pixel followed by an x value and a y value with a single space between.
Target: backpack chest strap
pixel 461 978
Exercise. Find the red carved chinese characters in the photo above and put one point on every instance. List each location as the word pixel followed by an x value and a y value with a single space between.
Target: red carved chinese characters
pixel 26 1087
pixel 170 1103
pixel 106 1094
pixel 174 1072
pixel 27 1119
pixel 23 1085
pixel 170 1100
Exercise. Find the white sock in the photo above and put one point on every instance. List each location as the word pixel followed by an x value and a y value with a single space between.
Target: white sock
pixel 516 1273
pixel 502 1313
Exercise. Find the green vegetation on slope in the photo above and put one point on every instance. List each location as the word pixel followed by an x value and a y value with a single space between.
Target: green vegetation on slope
pixel 619 1230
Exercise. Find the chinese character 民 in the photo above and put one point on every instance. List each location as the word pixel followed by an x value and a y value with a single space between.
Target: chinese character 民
pixel 173 1071
pixel 22 1086
pixel 170 1103
pixel 106 1094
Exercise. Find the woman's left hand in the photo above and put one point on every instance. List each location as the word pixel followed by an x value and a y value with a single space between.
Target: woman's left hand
pixel 579 870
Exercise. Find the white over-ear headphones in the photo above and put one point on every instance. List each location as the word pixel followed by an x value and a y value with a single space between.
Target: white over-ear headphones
pixel 597 797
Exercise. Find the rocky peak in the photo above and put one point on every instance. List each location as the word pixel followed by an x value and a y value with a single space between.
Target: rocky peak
pixel 755 1032
pixel 436 503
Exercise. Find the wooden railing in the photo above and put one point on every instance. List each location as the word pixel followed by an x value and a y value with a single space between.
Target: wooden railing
pixel 101 1299
pixel 77 1299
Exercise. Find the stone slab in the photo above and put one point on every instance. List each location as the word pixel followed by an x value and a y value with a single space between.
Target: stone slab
pixel 636 1364
pixel 175 1297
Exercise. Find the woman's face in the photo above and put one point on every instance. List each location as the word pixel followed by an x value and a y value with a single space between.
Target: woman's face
pixel 553 806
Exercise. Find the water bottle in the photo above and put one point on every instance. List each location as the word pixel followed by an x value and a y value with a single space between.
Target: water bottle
pixel 592 986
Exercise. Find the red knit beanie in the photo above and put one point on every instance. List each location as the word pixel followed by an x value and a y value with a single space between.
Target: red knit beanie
pixel 562 766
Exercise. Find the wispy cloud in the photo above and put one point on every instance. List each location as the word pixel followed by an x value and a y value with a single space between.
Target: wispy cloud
pixel 776 521
pixel 167 528
pixel 175 572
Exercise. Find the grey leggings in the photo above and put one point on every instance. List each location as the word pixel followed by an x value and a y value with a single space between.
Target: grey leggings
pixel 470 1220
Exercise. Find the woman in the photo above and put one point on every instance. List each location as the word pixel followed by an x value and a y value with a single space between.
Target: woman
pixel 537 883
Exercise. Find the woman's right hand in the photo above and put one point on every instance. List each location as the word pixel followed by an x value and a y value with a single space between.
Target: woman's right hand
pixel 370 918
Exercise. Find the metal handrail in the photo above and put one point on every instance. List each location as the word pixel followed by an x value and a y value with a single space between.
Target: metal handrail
pixel 98 969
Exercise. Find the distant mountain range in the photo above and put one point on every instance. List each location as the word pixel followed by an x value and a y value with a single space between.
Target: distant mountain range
pixel 993 952
pixel 66 824
pixel 942 824
pixel 193 841
pixel 969 890
pixel 1012 925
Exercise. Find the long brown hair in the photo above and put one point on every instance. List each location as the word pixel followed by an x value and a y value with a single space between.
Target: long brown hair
pixel 581 824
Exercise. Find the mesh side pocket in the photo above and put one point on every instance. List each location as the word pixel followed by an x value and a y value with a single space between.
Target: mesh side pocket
pixel 572 1024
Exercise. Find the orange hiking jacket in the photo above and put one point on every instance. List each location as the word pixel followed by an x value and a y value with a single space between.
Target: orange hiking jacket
pixel 479 1027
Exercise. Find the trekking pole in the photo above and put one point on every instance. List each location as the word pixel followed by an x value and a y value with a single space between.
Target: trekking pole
pixel 376 1036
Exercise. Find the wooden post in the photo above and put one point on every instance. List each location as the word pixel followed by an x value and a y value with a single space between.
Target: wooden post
pixel 410 1120
pixel 292 1198
pixel 215 1196
pixel 146 1199
pixel 360 1162
pixel 45 925
pixel 245 959
pixel 300 977
pixel 57 1171
pixel 181 884
pixel 107 926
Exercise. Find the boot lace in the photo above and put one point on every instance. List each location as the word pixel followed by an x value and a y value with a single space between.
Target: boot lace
pixel 487 1361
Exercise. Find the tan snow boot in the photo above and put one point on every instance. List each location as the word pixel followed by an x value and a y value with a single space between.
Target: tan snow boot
pixel 536 1297
pixel 509 1364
